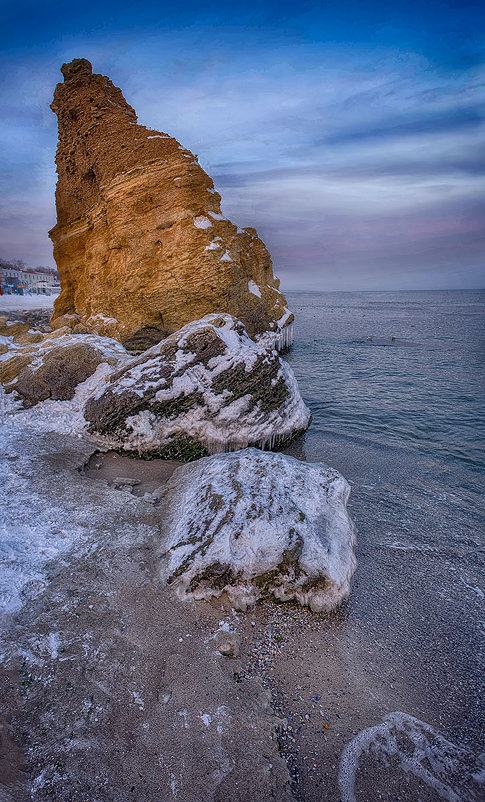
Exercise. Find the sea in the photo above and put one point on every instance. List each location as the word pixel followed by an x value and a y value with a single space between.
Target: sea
pixel 395 384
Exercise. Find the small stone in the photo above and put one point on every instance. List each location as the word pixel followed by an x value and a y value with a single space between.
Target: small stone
pixel 65 320
pixel 228 643
pixel 53 335
pixel 125 481
pixel 80 328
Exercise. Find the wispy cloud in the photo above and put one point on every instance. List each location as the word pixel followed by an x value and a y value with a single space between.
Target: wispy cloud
pixel 357 154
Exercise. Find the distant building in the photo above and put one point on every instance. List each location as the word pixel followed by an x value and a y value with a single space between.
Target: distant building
pixel 11 280
pixel 22 281
pixel 40 283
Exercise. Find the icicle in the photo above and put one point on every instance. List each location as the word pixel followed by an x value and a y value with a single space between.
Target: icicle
pixel 284 338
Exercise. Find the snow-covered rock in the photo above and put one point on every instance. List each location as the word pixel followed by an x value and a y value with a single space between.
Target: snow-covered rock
pixel 207 388
pixel 257 524
pixel 53 367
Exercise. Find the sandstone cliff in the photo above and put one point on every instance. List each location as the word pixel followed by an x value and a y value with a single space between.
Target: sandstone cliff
pixel 140 242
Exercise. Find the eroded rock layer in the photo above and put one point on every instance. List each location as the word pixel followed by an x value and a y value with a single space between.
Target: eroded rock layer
pixel 140 242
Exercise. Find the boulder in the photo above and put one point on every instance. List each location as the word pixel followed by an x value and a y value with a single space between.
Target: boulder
pixel 207 388
pixel 56 366
pixel 29 337
pixel 65 320
pixel 11 367
pixel 255 525
pixel 140 242
pixel 10 328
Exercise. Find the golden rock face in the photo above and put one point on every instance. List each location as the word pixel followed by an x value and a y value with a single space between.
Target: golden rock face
pixel 140 242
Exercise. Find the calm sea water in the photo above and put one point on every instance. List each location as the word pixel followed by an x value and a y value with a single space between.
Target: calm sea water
pixel 423 390
pixel 403 420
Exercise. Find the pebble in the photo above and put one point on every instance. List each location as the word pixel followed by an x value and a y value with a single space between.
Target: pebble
pixel 228 643
pixel 125 481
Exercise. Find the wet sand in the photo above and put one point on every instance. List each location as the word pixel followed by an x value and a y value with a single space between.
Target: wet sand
pixel 148 474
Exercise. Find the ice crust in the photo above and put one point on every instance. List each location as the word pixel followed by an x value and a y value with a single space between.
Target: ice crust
pixel 216 422
pixel 280 337
pixel 449 770
pixel 257 524
pixel 48 510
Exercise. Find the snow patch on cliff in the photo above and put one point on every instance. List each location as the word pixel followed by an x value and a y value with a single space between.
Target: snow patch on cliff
pixel 202 222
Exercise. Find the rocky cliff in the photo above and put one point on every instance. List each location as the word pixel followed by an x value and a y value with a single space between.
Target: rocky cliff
pixel 140 242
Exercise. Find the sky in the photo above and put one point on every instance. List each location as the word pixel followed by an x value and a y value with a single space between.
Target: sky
pixel 349 134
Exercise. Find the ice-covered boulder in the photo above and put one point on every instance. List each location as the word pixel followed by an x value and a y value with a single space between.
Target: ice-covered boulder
pixel 54 366
pixel 207 388
pixel 257 524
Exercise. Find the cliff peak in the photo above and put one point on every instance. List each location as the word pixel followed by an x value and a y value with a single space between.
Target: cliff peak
pixel 76 68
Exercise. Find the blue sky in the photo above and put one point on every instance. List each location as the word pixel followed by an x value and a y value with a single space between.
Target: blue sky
pixel 349 134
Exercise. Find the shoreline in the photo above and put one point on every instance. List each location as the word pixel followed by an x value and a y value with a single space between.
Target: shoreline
pixel 353 660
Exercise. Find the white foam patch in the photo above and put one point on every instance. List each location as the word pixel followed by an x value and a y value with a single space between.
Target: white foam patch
pixel 418 749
